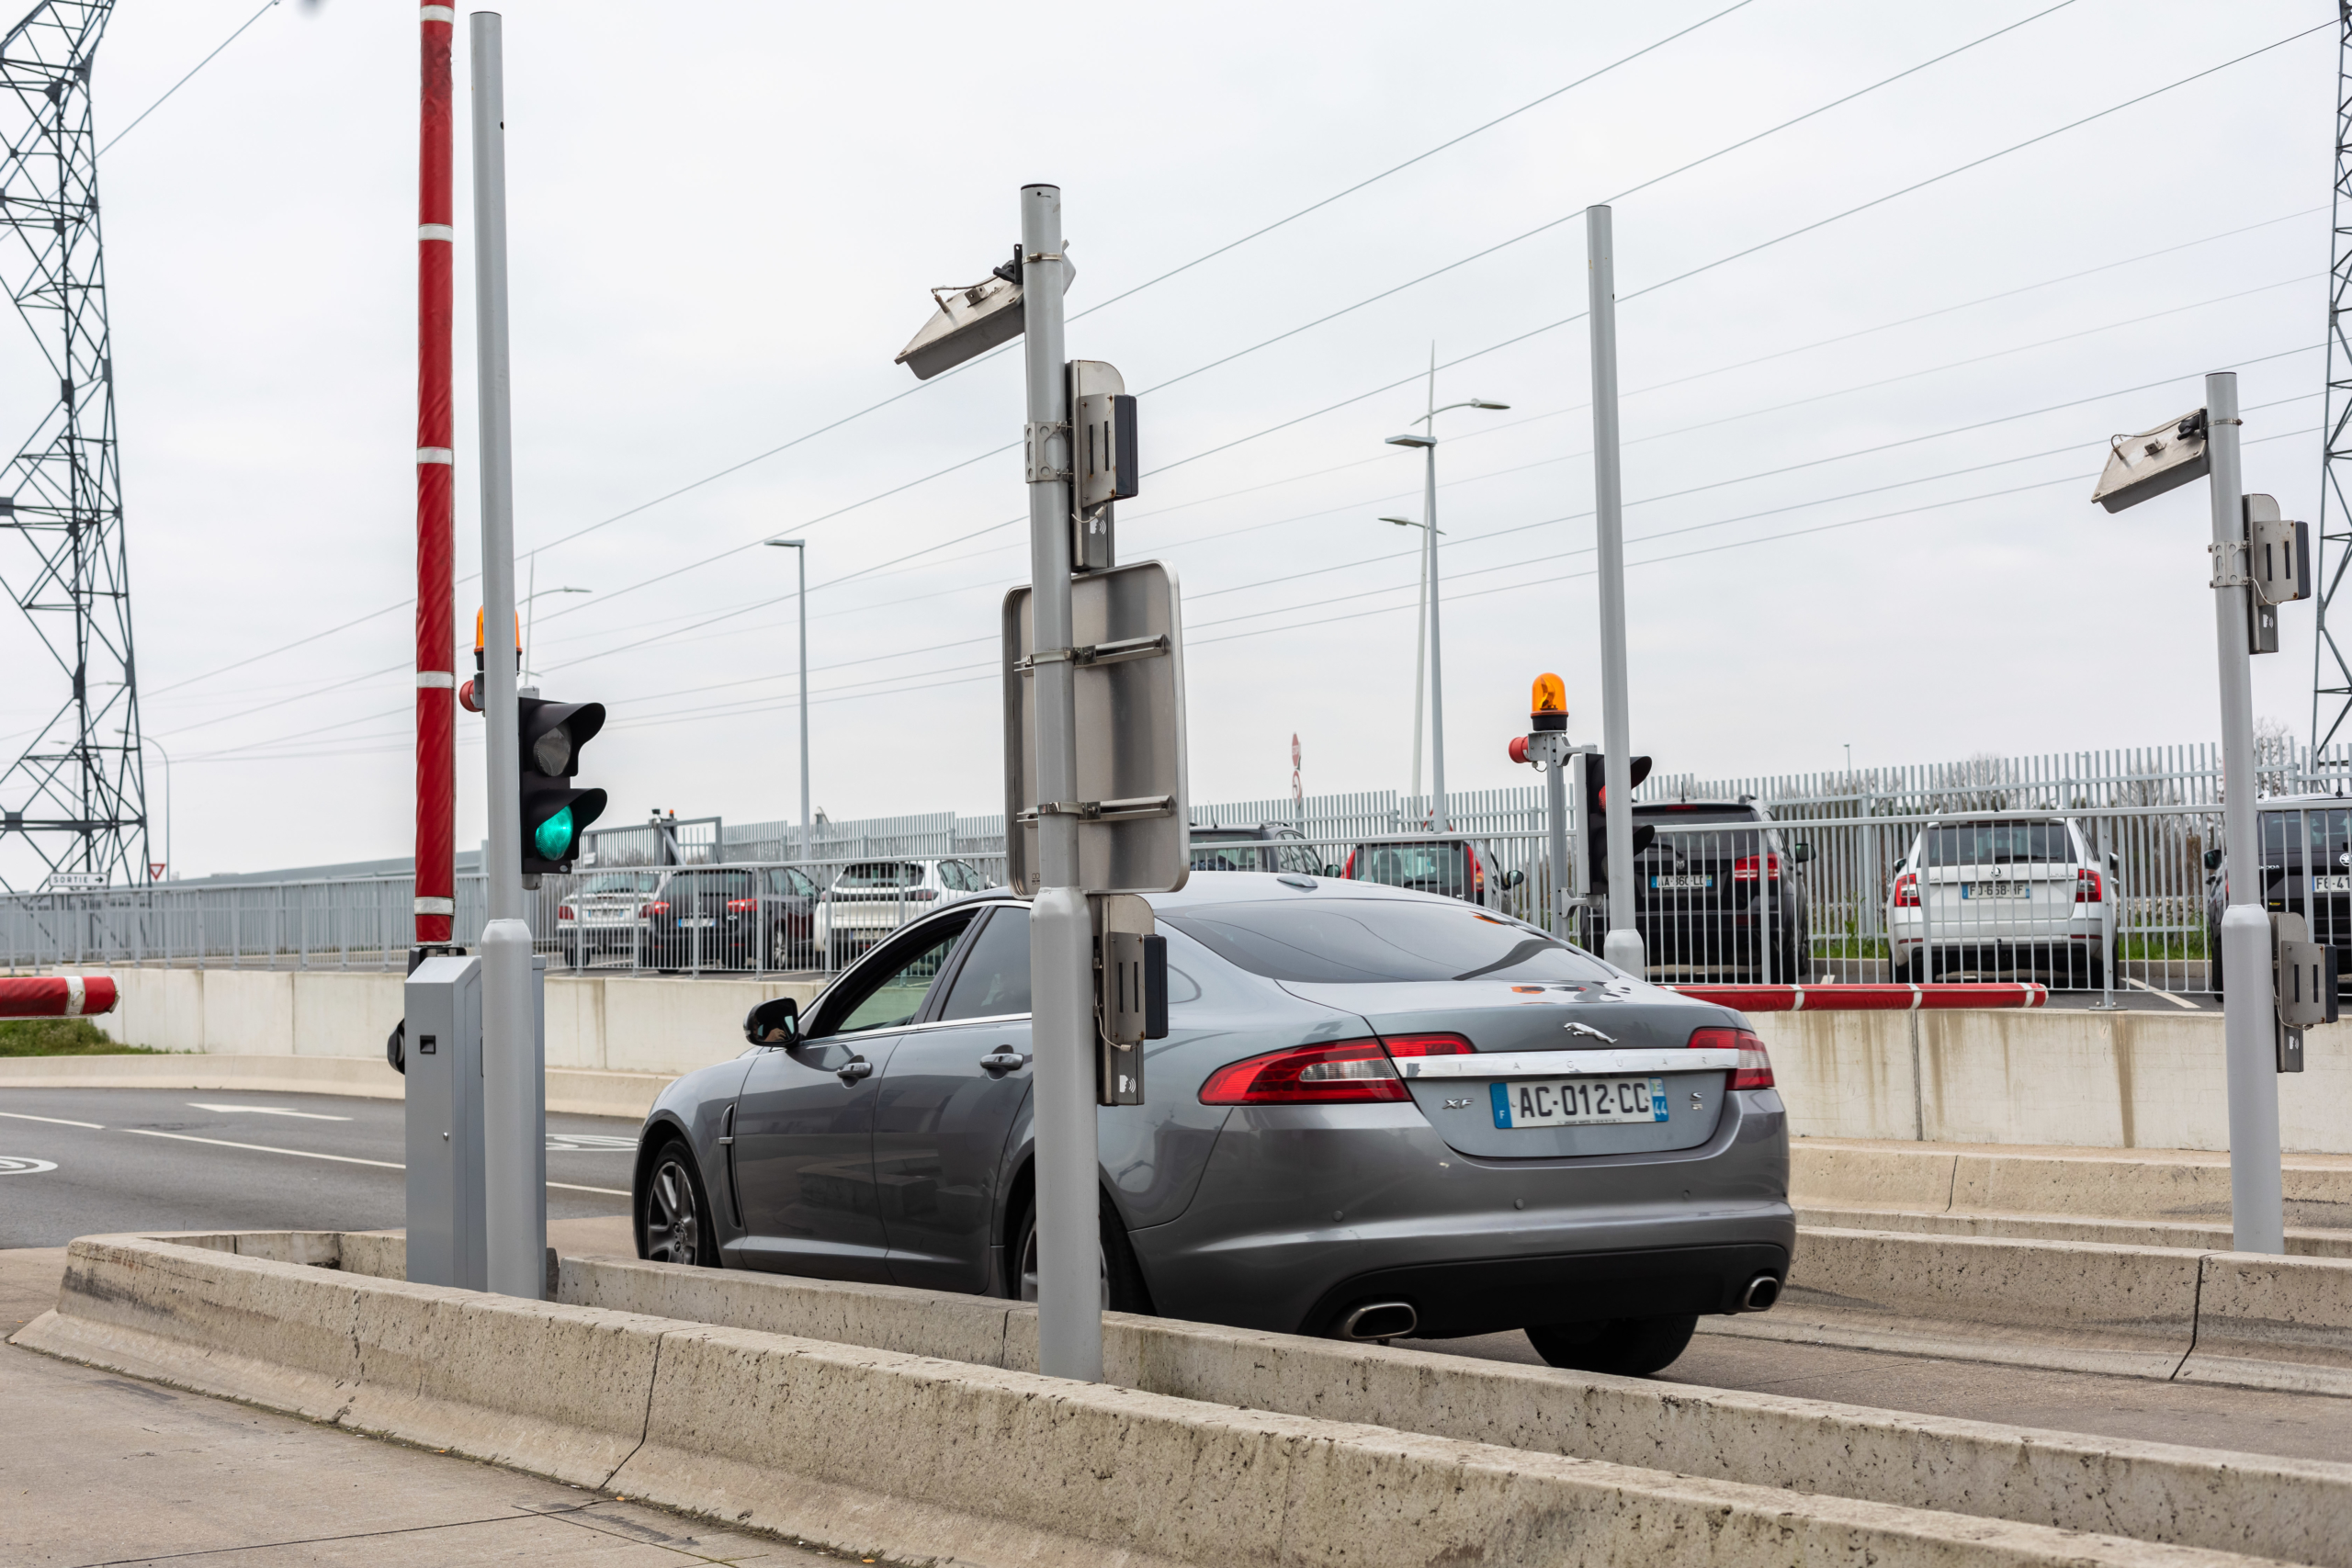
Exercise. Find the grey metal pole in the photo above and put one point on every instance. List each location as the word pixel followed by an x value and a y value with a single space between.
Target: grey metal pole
pixel 514 1125
pixel 1443 818
pixel 1556 800
pixel 1623 946
pixel 1069 1281
pixel 807 828
pixel 2257 1211
pixel 1421 664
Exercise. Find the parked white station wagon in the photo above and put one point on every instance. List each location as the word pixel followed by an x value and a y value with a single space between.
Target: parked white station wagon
pixel 871 898
pixel 2008 896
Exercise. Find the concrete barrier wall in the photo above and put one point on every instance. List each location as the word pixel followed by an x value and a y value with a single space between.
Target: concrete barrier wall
pixel 602 1024
pixel 2138 1079
pixel 570 1090
pixel 917 1457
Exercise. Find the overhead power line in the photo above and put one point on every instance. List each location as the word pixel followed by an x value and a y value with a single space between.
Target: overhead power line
pixel 183 81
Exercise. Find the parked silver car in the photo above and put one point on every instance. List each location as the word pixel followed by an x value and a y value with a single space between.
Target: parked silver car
pixel 1377 1114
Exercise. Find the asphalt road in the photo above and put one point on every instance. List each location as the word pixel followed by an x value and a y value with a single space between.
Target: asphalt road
pixel 84 1162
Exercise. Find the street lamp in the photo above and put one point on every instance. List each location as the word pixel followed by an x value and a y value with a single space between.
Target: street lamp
pixel 800 546
pixel 1420 652
pixel 531 616
pixel 1427 441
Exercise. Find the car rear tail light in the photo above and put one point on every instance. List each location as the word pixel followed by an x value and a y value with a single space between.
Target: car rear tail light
pixel 1400 1045
pixel 1746 868
pixel 563 912
pixel 654 909
pixel 2088 889
pixel 1906 891
pixel 1755 1069
pixel 1348 1072
pixel 1348 871
pixel 923 894
pixel 741 906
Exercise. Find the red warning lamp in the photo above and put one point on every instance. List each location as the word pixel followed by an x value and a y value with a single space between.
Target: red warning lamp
pixel 470 695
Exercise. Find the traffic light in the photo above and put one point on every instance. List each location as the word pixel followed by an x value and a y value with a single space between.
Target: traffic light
pixel 554 814
pixel 1596 823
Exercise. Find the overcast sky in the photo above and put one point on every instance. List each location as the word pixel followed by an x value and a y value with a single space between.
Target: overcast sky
pixel 723 230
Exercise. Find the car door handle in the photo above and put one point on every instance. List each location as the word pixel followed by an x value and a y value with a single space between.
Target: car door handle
pixel 1004 1059
pixel 853 1069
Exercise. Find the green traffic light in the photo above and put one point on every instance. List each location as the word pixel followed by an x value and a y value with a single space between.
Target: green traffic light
pixel 553 836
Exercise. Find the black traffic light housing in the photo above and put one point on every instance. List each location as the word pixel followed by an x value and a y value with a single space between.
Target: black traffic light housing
pixel 1596 806
pixel 554 814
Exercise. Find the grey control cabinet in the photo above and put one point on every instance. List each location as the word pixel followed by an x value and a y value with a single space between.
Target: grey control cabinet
pixel 445 1243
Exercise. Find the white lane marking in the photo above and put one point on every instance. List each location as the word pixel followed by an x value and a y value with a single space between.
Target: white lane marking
pixel 265 1149
pixel 341 1159
pixel 22 1165
pixel 2177 1001
pixel 589 1142
pixel 52 1121
pixel 268 1110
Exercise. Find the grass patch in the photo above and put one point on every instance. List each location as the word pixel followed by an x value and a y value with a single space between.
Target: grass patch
pixel 62 1037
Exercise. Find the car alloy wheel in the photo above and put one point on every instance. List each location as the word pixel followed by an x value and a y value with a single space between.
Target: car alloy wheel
pixel 1029 1266
pixel 673 1217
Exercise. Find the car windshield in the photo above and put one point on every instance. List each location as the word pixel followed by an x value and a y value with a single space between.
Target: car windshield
pixel 880 873
pixel 1436 868
pixel 2326 830
pixel 1368 940
pixel 619 882
pixel 1994 843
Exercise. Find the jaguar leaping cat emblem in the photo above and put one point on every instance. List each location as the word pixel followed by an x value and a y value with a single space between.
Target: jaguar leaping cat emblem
pixel 1587 1029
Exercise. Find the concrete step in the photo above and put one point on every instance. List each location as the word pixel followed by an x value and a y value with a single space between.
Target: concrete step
pixel 2302 1241
pixel 2171 1186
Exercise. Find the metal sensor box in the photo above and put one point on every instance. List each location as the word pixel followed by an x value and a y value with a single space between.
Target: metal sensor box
pixel 446 1242
pixel 2153 461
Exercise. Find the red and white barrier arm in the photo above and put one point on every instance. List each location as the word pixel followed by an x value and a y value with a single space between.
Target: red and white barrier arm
pixel 1869 997
pixel 56 996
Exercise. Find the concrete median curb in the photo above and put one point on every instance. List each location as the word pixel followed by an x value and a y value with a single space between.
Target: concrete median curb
pixel 923 1458
pixel 2247 1319
pixel 972 1456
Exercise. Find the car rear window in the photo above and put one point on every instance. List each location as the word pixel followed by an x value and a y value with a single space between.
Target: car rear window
pixel 1995 843
pixel 1429 868
pixel 1368 940
pixel 2327 831
pixel 880 873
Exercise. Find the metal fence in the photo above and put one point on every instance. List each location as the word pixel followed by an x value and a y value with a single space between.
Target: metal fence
pixel 1932 871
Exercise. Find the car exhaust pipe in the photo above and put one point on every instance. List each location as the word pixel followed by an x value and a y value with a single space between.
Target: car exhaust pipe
pixel 1761 1293
pixel 1380 1320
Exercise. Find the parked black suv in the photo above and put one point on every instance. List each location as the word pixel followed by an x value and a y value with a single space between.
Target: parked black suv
pixel 2306 870
pixel 703 917
pixel 1718 892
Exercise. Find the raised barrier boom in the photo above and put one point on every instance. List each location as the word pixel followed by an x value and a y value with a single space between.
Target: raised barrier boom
pixel 1869 997
pixel 56 996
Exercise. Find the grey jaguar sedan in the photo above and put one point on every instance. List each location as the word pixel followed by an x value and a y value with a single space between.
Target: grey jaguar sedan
pixel 1377 1114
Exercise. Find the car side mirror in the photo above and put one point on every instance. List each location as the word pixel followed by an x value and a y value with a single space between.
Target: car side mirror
pixel 2114 860
pixel 1802 853
pixel 776 1022
pixel 1329 870
pixel 2213 859
pixel 1513 877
